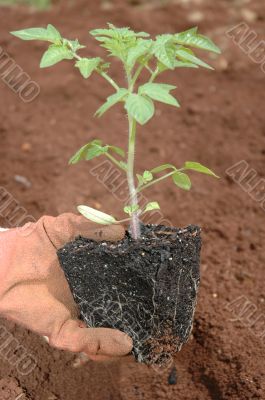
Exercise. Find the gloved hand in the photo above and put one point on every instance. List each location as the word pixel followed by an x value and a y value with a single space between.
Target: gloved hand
pixel 35 293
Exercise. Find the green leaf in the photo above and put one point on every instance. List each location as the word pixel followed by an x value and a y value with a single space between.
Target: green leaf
pixel 79 155
pixel 131 209
pixel 101 32
pixel 73 44
pixel 153 205
pixel 53 32
pixel 162 168
pixel 139 107
pixel 55 54
pixel 95 151
pixel 182 64
pixel 49 34
pixel 114 46
pixel 89 151
pixel 111 100
pixel 142 48
pixel 147 176
pixel 161 67
pixel 177 64
pixel 181 180
pixel 96 216
pixel 166 86
pixel 115 32
pixel 185 54
pixel 118 41
pixel 191 38
pixel 117 150
pixel 159 92
pixel 87 66
pixel 164 49
pixel 195 166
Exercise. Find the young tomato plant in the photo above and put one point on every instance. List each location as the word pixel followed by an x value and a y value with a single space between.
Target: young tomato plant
pixel 136 51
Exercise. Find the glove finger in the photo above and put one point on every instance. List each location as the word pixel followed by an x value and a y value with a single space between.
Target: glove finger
pixel 91 341
pixel 108 342
pixel 67 227
pixel 95 231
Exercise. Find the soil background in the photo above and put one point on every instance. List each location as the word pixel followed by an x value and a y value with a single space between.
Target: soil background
pixel 220 123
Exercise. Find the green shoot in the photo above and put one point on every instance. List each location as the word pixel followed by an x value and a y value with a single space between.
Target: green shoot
pixel 137 52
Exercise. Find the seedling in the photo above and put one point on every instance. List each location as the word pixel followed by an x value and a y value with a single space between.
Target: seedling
pixel 136 51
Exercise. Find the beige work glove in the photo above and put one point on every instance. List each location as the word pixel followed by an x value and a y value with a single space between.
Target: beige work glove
pixel 35 293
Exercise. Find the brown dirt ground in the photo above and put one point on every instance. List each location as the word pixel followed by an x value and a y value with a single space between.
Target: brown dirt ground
pixel 220 122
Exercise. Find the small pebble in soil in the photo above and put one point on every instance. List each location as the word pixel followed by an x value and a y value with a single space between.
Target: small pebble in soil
pixel 222 64
pixel 106 6
pixel 80 360
pixel 46 339
pixel 172 377
pixel 97 205
pixel 26 146
pixel 23 180
pixel 195 17
pixel 249 15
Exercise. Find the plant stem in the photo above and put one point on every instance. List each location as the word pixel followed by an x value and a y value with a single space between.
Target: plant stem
pixel 116 162
pixel 109 79
pixel 155 181
pixel 154 75
pixel 135 224
pixel 139 70
pixel 136 75
pixel 77 56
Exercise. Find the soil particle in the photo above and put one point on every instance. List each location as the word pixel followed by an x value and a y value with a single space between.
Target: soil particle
pixel 172 377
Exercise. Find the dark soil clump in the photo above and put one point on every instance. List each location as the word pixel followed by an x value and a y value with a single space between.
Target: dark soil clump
pixel 146 288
